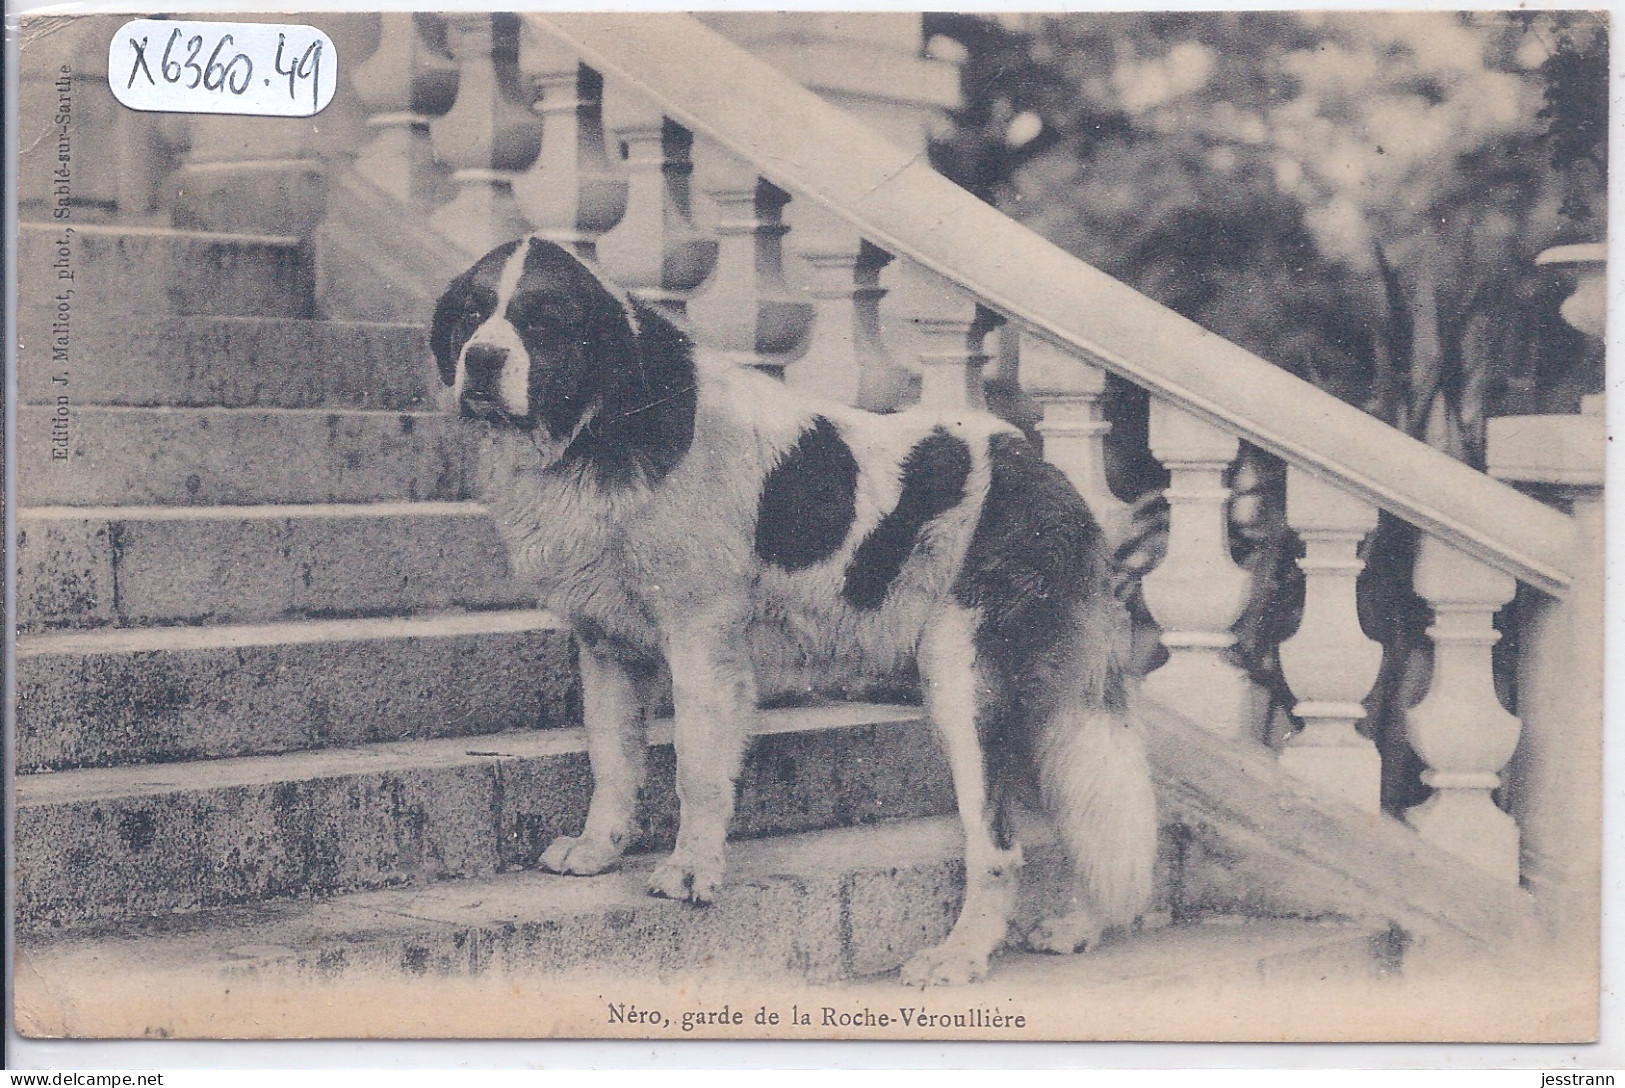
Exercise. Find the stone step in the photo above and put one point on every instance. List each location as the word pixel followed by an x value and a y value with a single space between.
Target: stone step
pixel 158 695
pixel 240 456
pixel 141 566
pixel 230 362
pixel 115 844
pixel 155 270
pixel 796 912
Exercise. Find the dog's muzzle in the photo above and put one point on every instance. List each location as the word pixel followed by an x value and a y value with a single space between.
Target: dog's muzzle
pixel 482 383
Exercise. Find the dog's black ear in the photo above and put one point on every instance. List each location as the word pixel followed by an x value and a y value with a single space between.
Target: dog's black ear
pixel 460 310
pixel 444 339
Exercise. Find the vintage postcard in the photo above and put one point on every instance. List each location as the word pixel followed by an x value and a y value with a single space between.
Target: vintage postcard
pixel 808 525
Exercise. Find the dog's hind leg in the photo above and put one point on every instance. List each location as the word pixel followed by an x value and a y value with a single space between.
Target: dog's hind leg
pixel 714 697
pixel 955 695
pixel 616 744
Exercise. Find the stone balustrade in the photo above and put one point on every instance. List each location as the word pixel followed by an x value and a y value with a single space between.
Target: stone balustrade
pixel 656 251
pixel 489 127
pixel 404 85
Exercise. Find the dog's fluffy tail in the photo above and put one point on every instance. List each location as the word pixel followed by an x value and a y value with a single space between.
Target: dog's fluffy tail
pixel 1093 776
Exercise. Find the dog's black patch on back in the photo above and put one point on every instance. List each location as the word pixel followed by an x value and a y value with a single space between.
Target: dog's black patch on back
pixel 934 475
pixel 808 500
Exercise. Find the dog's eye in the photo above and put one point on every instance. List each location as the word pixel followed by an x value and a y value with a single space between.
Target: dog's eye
pixel 471 317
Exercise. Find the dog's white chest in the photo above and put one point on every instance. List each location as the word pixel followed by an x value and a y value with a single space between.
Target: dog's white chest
pixel 564 536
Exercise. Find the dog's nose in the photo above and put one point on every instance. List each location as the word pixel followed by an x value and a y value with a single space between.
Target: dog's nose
pixel 482 368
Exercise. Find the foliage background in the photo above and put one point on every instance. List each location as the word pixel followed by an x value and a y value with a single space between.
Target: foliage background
pixel 1358 198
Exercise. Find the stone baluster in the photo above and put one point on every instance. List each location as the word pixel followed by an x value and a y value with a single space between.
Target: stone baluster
pixel 571 193
pixel 847 358
pixel 1197 592
pixel 1329 662
pixel 1068 388
pixel 1461 730
pixel 747 314
pixel 486 137
pixel 655 252
pixel 946 329
pixel 403 86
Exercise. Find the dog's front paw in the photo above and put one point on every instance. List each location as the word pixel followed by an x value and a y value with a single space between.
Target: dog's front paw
pixel 686 882
pixel 579 855
pixel 947 964
pixel 1066 934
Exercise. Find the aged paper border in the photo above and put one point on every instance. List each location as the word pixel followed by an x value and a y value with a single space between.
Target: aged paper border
pixel 87 1054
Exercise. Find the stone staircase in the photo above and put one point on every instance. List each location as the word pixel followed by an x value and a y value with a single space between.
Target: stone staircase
pixel 273 682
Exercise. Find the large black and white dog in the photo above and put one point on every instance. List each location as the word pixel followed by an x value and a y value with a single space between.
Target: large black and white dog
pixel 733 526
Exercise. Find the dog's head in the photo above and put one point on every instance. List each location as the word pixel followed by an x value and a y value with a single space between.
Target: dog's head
pixel 534 339
pixel 520 336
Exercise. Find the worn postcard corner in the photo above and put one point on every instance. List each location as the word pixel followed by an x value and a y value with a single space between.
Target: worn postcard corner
pixel 810 526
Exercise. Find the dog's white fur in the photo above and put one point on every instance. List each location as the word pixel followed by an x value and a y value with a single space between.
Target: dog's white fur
pixel 671 568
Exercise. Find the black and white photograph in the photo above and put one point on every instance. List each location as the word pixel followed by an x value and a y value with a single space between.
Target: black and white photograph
pixel 808 525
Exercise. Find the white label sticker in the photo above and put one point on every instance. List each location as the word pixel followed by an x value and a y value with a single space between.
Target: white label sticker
pixel 265 69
